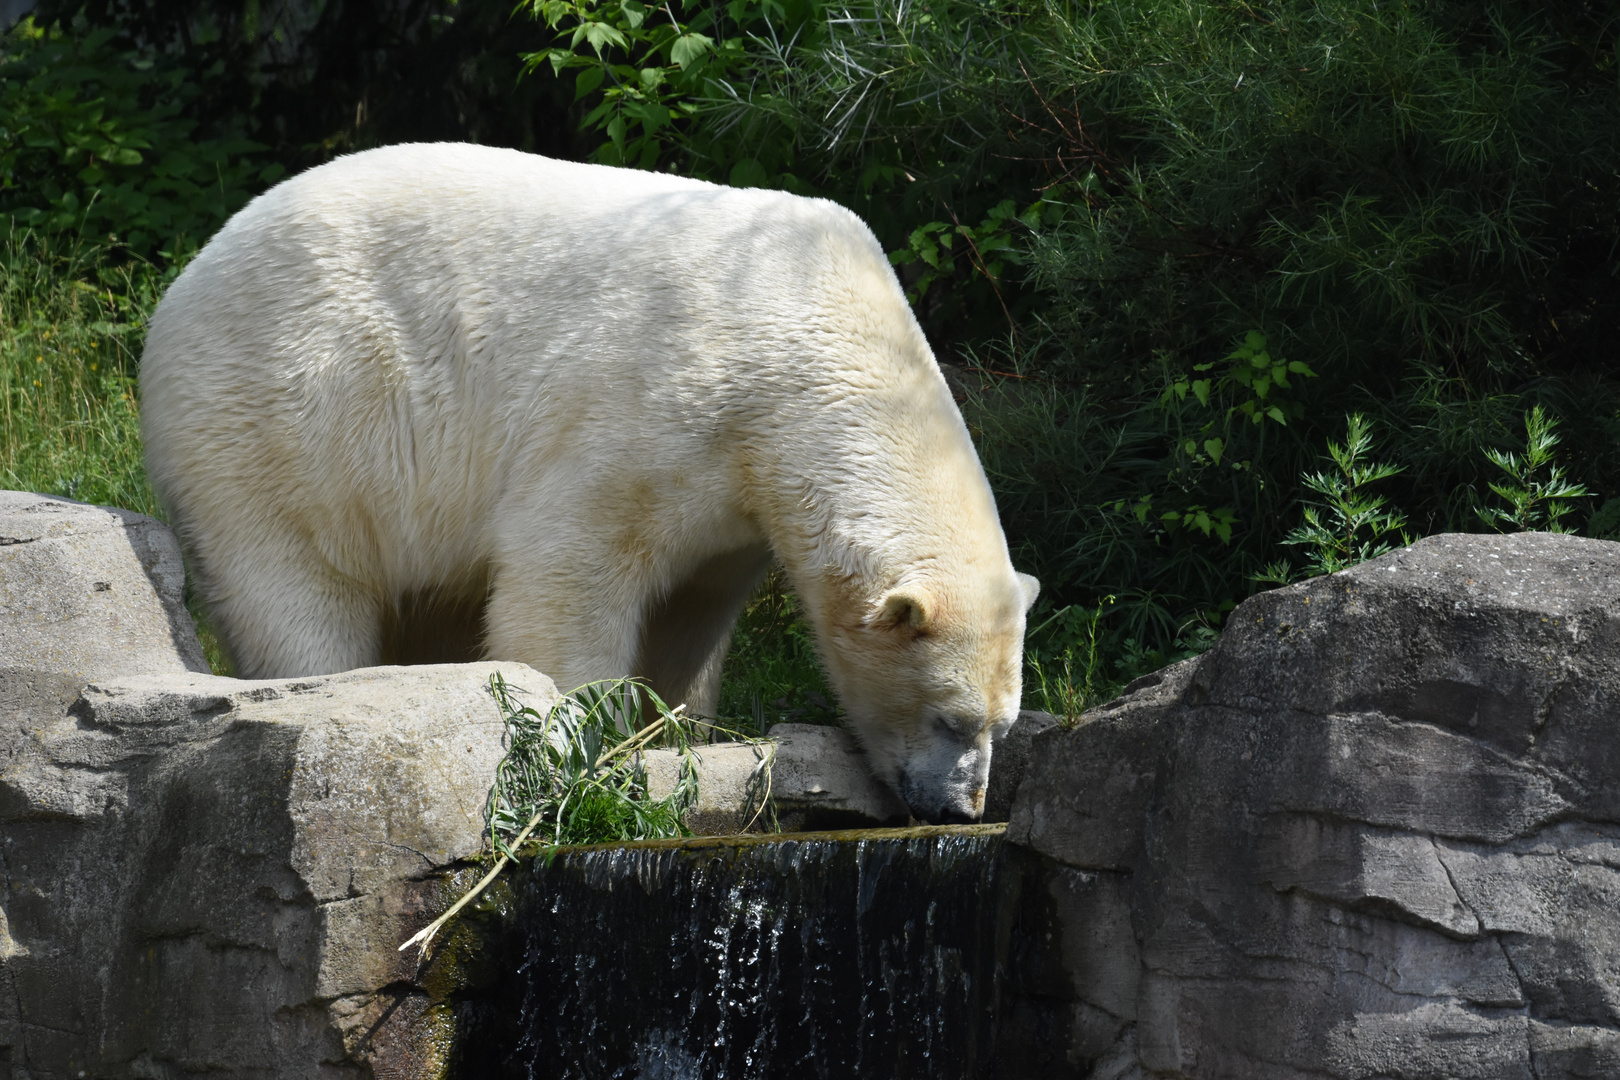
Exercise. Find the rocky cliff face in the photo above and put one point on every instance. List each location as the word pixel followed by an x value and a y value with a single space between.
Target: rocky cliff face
pixel 1374 833
pixel 209 875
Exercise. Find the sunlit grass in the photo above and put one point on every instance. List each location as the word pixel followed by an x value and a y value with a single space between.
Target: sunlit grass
pixel 70 329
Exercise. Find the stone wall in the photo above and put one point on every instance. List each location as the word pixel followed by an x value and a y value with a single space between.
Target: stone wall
pixel 1374 833
pixel 209 875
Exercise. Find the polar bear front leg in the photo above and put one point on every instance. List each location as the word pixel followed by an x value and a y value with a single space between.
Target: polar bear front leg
pixel 686 634
pixel 597 621
pixel 281 612
pixel 573 623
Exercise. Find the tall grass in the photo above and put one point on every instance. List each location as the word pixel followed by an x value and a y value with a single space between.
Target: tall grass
pixel 70 328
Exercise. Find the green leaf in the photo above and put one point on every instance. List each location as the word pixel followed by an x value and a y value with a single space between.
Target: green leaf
pixel 1200 389
pixel 748 173
pixel 634 13
pixel 1214 448
pixel 600 34
pixel 687 48
pixel 651 114
pixel 588 80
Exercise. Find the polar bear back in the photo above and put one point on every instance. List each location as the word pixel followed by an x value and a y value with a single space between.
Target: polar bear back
pixel 402 338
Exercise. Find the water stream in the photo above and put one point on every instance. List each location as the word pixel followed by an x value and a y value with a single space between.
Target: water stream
pixel 837 955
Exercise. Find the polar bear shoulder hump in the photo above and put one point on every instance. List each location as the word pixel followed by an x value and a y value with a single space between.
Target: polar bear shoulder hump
pixel 463 180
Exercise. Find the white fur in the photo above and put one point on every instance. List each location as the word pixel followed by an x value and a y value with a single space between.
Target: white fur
pixel 426 367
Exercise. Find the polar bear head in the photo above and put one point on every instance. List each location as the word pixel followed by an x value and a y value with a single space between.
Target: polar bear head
pixel 931 675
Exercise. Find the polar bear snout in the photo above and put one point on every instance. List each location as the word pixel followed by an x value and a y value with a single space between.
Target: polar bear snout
pixel 944 781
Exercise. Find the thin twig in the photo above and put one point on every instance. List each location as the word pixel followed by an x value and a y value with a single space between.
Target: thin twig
pixel 425 935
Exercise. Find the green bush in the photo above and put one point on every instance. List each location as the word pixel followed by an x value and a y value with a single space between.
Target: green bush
pixel 1179 243
pixel 96 142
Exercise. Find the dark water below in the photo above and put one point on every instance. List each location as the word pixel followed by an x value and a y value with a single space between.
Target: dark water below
pixel 870 954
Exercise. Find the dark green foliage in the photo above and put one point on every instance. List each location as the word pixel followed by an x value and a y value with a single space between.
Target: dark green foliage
pixel 1401 198
pixel 1229 225
pixel 320 77
pixel 102 143
pixel 772 674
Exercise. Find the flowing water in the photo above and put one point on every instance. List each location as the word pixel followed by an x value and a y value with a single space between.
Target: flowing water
pixel 864 954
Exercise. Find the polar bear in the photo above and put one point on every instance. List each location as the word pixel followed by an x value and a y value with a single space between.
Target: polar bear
pixel 446 401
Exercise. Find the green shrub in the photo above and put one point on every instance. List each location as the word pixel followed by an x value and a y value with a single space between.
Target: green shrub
pixel 96 142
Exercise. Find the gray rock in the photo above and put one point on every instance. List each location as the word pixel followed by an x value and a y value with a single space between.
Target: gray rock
pixel 817 778
pixel 820 781
pixel 734 782
pixel 90 591
pixel 200 874
pixel 811 776
pixel 1009 761
pixel 1369 834
pixel 1092 791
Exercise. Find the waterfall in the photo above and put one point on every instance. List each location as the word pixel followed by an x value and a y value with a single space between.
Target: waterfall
pixel 837 955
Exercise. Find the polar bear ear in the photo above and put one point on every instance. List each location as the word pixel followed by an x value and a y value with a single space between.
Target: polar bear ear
pixel 903 609
pixel 1032 589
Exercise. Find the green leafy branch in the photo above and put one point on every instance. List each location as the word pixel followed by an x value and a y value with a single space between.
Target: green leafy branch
pixel 1349 525
pixel 990 246
pixel 1251 376
pixel 1534 501
pixel 651 64
pixel 575 774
